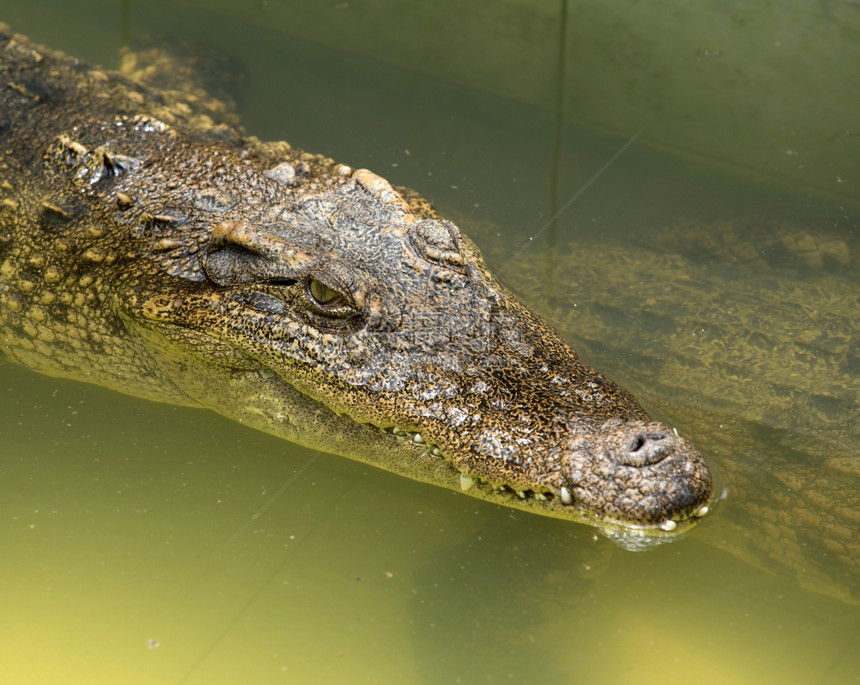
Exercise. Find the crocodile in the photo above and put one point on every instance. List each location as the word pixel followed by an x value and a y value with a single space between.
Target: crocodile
pixel 149 246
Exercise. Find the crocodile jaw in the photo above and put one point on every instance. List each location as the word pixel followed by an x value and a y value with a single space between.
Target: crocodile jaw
pixel 255 395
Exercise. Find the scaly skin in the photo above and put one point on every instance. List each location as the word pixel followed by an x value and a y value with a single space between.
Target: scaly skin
pixel 148 247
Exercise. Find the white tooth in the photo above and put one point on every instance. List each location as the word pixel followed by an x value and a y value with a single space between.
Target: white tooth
pixel 521 494
pixel 701 511
pixel 466 482
pixel 541 497
pixel 676 432
pixel 398 431
pixel 417 438
pixel 566 497
pixel 436 452
pixel 669 525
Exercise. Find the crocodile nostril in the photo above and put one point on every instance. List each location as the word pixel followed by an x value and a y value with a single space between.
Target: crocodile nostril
pixel 637 444
pixel 642 439
pixel 647 448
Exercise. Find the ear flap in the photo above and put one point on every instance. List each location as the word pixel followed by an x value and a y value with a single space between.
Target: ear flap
pixel 240 254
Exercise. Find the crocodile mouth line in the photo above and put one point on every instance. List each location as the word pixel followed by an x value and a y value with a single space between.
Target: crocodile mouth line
pixel 467 482
pixel 548 501
pixel 554 503
pixel 625 533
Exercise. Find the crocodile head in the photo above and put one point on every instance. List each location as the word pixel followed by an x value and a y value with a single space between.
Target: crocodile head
pixel 346 320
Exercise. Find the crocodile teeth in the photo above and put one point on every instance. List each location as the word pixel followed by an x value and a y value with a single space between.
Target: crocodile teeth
pixel 542 497
pixel 669 525
pixel 701 511
pixel 466 482
pixel 521 494
pixel 566 497
pixel 436 452
pixel 418 438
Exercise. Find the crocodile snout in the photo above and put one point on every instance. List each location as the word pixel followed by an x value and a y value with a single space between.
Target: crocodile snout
pixel 639 473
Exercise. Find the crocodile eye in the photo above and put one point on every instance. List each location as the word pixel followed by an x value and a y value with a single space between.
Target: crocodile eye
pixel 331 302
pixel 324 296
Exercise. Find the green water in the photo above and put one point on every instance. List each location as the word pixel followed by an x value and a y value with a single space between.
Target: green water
pixel 150 544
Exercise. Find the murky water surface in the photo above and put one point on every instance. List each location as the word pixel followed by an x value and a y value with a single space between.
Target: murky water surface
pixel 150 544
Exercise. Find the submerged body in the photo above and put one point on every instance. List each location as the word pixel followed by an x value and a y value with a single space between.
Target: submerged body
pixel 761 354
pixel 147 246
